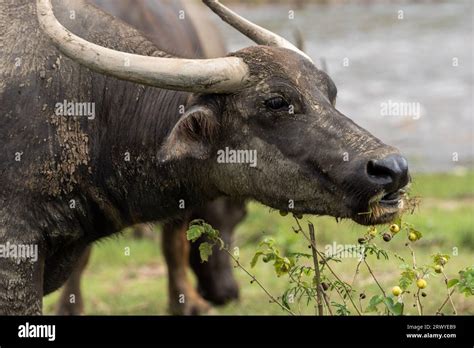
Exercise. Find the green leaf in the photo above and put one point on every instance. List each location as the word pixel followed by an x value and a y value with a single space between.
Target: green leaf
pixel 287 264
pixel 298 255
pixel 267 257
pixel 374 302
pixel 198 228
pixel 268 242
pixel 210 231
pixel 205 250
pixel 196 222
pixel 255 258
pixel 194 232
pixel 405 282
pixel 416 232
pixel 452 282
pixel 290 296
pixel 407 278
pixel 394 308
pixel 388 302
pixel 399 257
pixel 397 308
pixel 466 281
pixel 384 254
pixel 282 266
pixel 341 309
pixel 437 258
pixel 405 266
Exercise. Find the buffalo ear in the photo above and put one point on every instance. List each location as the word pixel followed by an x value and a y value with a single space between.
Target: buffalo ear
pixel 192 136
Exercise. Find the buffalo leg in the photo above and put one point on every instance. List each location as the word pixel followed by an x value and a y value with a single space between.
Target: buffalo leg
pixel 71 302
pixel 183 298
pixel 21 278
pixel 216 282
pixel 215 277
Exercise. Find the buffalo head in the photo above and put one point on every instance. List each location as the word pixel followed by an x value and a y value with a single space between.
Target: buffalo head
pixel 270 107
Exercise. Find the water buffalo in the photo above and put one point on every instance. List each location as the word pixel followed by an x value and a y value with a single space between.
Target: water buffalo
pixel 169 134
pixel 158 20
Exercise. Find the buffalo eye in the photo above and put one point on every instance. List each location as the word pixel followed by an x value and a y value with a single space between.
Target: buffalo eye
pixel 276 103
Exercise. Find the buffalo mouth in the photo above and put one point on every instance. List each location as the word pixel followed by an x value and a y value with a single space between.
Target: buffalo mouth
pixel 391 199
pixel 382 208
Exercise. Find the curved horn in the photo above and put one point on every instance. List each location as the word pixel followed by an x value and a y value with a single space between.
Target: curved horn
pixel 219 75
pixel 256 33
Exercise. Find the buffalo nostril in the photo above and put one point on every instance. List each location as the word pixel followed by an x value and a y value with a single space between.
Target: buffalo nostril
pixel 390 171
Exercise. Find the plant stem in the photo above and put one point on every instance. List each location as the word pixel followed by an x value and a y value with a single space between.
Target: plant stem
pixel 330 269
pixel 449 295
pixel 418 302
pixel 417 295
pixel 356 272
pixel 360 304
pixel 373 276
pixel 445 301
pixel 317 275
pixel 326 299
pixel 298 282
pixel 413 256
pixel 273 299
pixel 338 292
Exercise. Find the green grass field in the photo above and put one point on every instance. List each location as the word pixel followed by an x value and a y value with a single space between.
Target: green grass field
pixel 136 284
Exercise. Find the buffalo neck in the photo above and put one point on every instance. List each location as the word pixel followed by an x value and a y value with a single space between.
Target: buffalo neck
pixel 132 123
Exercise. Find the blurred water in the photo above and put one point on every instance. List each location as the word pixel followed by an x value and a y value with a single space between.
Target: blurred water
pixel 408 60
